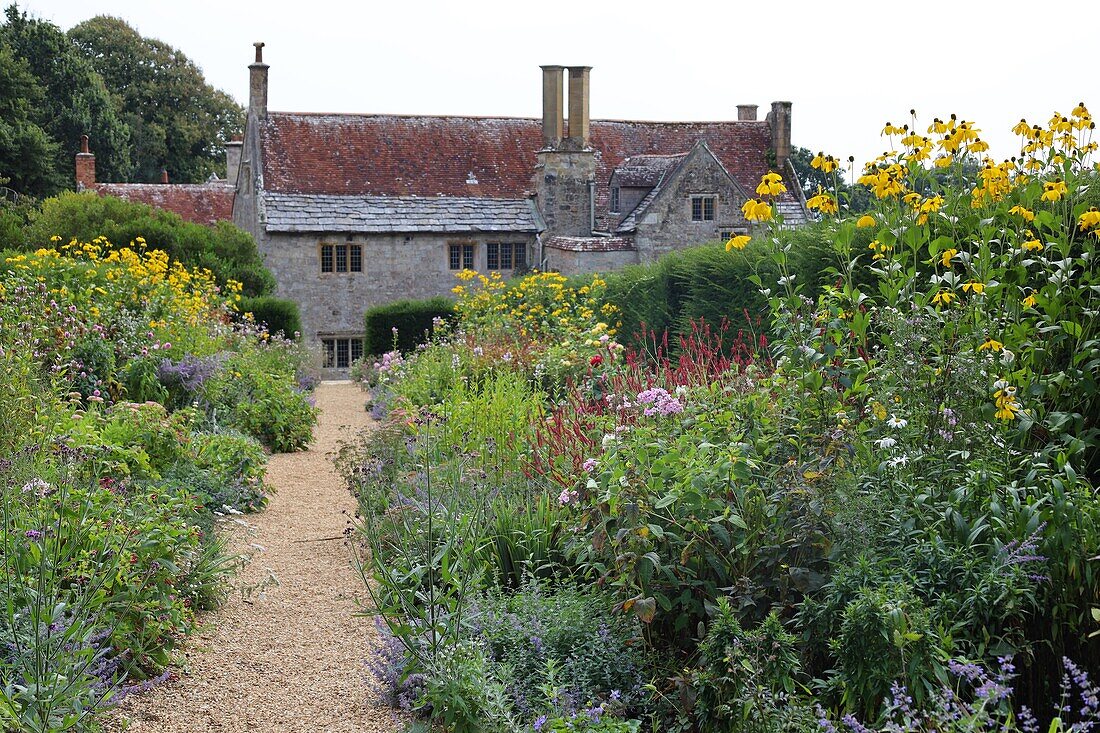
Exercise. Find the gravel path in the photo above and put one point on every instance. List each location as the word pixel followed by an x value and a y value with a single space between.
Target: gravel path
pixel 288 656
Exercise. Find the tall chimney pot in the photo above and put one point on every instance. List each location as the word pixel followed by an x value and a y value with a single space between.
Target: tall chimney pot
pixel 578 105
pixel 779 119
pixel 85 166
pixel 257 84
pixel 233 150
pixel 553 106
pixel 746 112
pixel 164 175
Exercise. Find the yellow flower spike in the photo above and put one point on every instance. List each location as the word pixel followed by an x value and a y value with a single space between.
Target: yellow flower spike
pixel 974 287
pixel 739 242
pixel 771 184
pixel 991 344
pixel 865 221
pixel 947 255
pixel 944 297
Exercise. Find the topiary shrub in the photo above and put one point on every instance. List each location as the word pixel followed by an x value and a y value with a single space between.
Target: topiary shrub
pixel 278 314
pixel 410 319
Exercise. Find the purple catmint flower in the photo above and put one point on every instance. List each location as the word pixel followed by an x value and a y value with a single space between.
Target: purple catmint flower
pixel 540 722
pixel 33 534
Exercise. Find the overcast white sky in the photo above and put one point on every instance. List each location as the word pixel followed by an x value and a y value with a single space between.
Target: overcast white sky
pixel 847 66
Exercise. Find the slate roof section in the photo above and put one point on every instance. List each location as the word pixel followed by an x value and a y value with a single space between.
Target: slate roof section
pixel 201 203
pixel 307 212
pixel 591 244
pixel 793 213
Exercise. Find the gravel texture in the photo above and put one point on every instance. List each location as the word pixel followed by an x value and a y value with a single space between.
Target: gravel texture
pixel 285 652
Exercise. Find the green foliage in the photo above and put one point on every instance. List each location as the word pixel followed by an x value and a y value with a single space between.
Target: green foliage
pixel 230 253
pixel 23 142
pixel 413 321
pixel 74 102
pixel 748 680
pixel 251 395
pixel 280 316
pixel 710 284
pixel 177 121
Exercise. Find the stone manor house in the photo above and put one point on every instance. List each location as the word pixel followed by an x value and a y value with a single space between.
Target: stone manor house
pixel 354 210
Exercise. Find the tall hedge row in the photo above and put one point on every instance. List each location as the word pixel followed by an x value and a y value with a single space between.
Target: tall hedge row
pixel 410 319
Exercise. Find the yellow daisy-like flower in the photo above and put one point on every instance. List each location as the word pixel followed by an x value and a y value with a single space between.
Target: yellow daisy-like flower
pixel 824 163
pixel 739 242
pixel 1021 128
pixel 822 202
pixel 756 210
pixel 1090 219
pixel 1029 301
pixel 1022 212
pixel 879 249
pixel 1032 245
pixel 947 255
pixel 974 287
pixel 771 185
pixel 990 344
pixel 944 297
pixel 891 129
pixel 865 221
pixel 1054 191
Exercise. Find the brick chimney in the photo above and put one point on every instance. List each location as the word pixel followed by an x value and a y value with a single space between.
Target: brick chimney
pixel 578 105
pixel 779 119
pixel 746 112
pixel 233 160
pixel 85 166
pixel 257 84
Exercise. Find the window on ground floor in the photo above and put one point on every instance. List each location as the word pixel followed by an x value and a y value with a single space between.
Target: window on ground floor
pixel 460 256
pixel 505 256
pixel 341 353
pixel 342 258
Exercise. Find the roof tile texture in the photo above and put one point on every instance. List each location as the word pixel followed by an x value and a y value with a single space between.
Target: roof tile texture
pixel 201 203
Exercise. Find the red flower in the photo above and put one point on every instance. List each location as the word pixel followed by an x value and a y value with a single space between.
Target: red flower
pixel 596 360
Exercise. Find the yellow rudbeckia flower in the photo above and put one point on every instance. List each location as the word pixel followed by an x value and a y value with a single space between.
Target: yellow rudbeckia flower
pixel 771 185
pixel 1054 191
pixel 1090 219
pixel 1022 212
pixel 865 221
pixel 991 344
pixel 974 287
pixel 944 297
pixel 739 242
pixel 947 255
pixel 756 210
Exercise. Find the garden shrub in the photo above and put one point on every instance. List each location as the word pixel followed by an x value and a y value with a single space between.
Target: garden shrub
pixel 227 251
pixel 278 315
pixel 403 324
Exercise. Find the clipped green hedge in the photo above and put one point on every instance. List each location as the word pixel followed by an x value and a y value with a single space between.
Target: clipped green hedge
pixel 277 314
pixel 411 318
pixel 707 283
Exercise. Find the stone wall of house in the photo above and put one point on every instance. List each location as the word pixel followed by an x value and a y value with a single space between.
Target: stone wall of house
pixel 564 181
pixel 395 267
pixel 667 226
pixel 568 262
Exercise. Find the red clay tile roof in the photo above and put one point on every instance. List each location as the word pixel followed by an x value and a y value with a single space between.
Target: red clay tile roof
pixel 201 203
pixel 391 155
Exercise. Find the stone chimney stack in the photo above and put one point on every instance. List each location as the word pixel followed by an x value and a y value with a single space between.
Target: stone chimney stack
pixel 233 160
pixel 553 106
pixel 257 84
pixel 164 175
pixel 779 119
pixel 85 166
pixel 746 112
pixel 578 105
